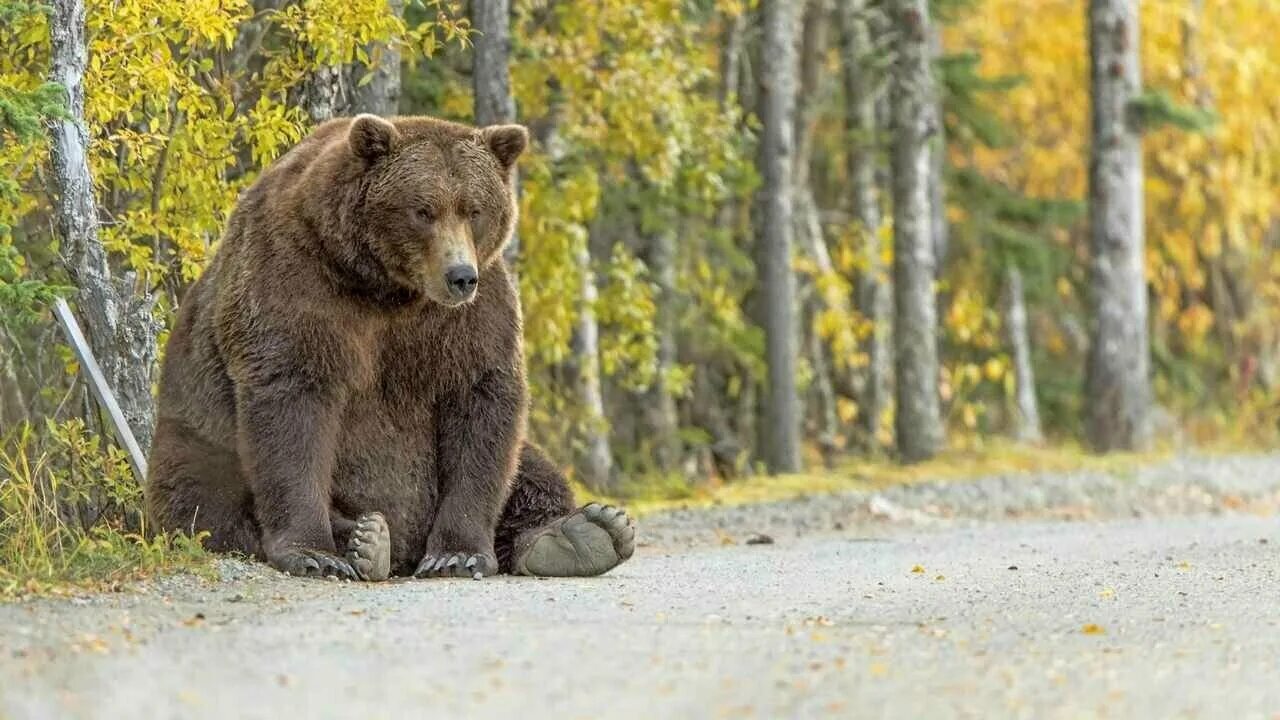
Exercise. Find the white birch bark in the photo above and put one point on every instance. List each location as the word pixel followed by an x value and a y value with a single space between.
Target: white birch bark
pixel 1117 374
pixel 873 288
pixel 774 235
pixel 1026 420
pixel 918 422
pixel 118 319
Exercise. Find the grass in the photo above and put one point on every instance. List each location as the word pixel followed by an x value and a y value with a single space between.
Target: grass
pixel 956 464
pixel 70 517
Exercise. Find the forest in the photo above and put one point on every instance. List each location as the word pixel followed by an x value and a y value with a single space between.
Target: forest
pixel 756 237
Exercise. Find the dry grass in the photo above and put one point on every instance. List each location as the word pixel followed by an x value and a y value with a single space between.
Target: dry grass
pixel 70 517
pixel 956 464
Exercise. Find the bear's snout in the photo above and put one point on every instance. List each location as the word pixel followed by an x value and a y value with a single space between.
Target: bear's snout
pixel 462 281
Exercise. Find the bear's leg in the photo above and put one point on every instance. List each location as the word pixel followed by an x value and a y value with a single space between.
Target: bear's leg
pixel 367 543
pixel 193 486
pixel 541 533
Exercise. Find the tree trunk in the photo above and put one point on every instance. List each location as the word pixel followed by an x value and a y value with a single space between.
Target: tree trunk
pixel 596 464
pixel 381 94
pixel 810 241
pixel 121 329
pixel 338 91
pixel 594 460
pixel 13 406
pixel 918 419
pixel 491 77
pixel 937 167
pixel 1219 277
pixel 325 94
pixel 707 410
pixel 708 406
pixel 809 234
pixel 873 288
pixel 731 58
pixel 777 281
pixel 1117 377
pixel 659 422
pixel 1026 427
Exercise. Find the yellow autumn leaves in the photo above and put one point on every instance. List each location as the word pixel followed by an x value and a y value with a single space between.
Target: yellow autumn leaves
pixel 1211 198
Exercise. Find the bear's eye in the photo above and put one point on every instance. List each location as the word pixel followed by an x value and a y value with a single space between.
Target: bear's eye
pixel 426 213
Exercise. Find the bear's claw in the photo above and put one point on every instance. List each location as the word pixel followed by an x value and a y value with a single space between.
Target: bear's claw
pixel 369 549
pixel 306 562
pixel 472 565
pixel 589 541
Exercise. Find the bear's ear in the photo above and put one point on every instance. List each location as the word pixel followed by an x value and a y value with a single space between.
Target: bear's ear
pixel 371 137
pixel 506 142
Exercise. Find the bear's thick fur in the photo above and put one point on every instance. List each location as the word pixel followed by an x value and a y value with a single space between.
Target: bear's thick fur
pixel 354 348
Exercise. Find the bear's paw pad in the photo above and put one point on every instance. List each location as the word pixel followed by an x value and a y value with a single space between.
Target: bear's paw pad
pixel 369 549
pixel 589 541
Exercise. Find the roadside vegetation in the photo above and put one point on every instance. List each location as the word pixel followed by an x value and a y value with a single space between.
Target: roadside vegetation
pixel 71 519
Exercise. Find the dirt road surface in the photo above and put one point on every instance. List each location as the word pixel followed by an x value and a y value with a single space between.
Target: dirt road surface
pixel 1155 594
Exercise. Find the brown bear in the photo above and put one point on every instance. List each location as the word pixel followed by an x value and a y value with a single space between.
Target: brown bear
pixel 344 392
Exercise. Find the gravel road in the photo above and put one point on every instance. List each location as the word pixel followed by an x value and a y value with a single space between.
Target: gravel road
pixel 1155 594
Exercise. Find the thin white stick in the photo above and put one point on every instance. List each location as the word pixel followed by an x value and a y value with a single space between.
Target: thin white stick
pixel 101 390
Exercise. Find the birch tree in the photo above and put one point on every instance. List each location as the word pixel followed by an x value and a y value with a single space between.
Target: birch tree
pixel 491 76
pixel 332 91
pixel 863 132
pixel 659 420
pixel 1026 421
pixel 817 289
pixel 781 433
pixel 918 421
pixel 594 451
pixel 596 463
pixel 117 319
pixel 1117 374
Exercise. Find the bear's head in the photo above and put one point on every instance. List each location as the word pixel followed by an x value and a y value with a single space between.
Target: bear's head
pixel 437 202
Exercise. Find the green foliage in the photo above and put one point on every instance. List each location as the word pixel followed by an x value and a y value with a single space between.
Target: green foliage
pixel 625 311
pixel 967 96
pixel 70 512
pixel 996 227
pixel 21 298
pixel 1014 228
pixel 1154 109
pixel 23 113
pixel 638 148
pixel 24 109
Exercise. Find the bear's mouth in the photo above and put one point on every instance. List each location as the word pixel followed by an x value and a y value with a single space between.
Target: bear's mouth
pixel 452 304
pixel 441 296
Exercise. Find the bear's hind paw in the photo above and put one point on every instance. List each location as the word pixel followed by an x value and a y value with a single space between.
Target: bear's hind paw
pixel 591 540
pixel 369 549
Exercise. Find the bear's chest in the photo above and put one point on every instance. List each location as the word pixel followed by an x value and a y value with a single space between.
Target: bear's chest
pixel 387 435
pixel 387 442
pixel 389 414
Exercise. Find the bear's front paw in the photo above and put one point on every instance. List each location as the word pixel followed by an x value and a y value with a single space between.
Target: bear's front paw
pixel 457 564
pixel 306 562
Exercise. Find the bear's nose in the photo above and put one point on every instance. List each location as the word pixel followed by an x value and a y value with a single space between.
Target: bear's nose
pixel 462 281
